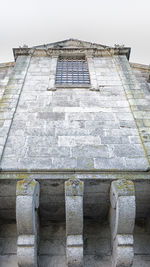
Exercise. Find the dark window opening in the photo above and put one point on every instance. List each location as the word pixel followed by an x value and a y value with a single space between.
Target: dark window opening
pixel 72 71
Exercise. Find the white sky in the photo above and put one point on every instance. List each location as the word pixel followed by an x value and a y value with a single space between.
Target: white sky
pixel 109 22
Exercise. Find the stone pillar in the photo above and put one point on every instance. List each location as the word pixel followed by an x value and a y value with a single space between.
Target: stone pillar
pixel 74 222
pixel 27 203
pixel 122 220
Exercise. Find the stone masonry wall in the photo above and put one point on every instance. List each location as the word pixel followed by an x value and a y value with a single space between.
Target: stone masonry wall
pixel 137 93
pixel 5 71
pixel 10 97
pixel 73 128
pixel 143 105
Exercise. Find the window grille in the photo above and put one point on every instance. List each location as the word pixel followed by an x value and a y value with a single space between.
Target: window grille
pixel 72 71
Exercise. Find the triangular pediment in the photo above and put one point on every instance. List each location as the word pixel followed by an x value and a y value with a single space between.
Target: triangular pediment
pixel 71 43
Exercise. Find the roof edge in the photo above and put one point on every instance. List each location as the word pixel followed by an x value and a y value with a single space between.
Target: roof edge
pixel 107 51
pixel 7 64
pixel 140 66
pixel 71 39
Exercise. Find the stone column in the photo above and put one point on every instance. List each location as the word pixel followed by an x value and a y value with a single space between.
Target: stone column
pixel 27 203
pixel 74 222
pixel 122 220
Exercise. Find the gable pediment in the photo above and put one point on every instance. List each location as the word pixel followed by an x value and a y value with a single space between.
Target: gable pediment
pixel 71 43
pixel 89 48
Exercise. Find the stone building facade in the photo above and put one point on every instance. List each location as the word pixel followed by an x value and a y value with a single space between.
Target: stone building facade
pixel 75 157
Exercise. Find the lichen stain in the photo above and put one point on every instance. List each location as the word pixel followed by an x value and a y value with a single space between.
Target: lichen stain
pixel 23 176
pixel 67 183
pixel 21 185
pixel 126 185
pixel 4 104
pixel 81 186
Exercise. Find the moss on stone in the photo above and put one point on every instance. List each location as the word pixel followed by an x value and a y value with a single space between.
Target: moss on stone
pixel 23 176
pixel 125 185
pixel 24 185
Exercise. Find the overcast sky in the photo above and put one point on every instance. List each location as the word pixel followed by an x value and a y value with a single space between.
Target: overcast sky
pixel 108 22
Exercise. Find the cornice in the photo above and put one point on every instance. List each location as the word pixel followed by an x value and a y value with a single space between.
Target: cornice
pixel 55 52
pixel 85 175
pixel 7 64
pixel 140 66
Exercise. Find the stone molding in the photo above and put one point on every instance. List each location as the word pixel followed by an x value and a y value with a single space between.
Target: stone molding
pixel 140 66
pixel 61 175
pixel 122 220
pixel 27 203
pixel 74 189
pixel 93 79
pixel 55 52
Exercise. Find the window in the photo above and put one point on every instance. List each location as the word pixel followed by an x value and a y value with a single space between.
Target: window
pixel 72 71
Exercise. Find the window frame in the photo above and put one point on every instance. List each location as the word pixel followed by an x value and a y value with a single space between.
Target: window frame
pixel 72 85
pixel 93 83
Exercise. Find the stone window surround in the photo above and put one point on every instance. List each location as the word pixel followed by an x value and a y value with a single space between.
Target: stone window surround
pixel 89 53
pixel 93 85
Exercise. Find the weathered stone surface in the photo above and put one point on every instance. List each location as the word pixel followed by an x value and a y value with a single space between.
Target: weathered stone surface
pixel 137 91
pixel 96 244
pixel 74 189
pixel 7 109
pixel 122 220
pixel 56 129
pixel 96 134
pixel 27 203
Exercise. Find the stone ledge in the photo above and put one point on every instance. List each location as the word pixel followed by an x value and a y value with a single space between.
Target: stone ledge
pixel 85 175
